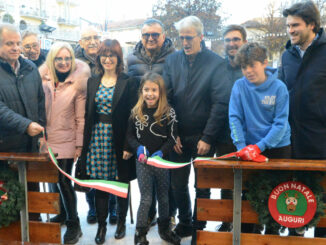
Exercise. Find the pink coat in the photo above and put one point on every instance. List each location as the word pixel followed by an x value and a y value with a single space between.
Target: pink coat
pixel 65 109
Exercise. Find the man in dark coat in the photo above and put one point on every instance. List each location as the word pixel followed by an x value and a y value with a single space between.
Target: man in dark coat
pixel 32 49
pixel 22 103
pixel 149 55
pixel 304 72
pixel 195 78
pixel 89 44
pixel 234 37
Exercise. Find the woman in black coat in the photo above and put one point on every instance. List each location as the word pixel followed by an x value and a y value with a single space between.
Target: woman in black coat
pixel 110 98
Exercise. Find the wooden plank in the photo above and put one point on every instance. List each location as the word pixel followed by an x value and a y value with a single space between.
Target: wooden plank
pixel 24 157
pixel 222 210
pixel 39 232
pixel 225 238
pixel 3 242
pixel 42 172
pixel 273 164
pixel 43 202
pixel 45 232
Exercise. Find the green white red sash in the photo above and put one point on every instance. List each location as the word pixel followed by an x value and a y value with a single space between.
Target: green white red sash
pixel 161 163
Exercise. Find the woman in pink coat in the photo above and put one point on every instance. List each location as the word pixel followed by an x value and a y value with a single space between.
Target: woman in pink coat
pixel 64 83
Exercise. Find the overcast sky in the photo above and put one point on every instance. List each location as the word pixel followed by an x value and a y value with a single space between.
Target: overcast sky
pixel 96 10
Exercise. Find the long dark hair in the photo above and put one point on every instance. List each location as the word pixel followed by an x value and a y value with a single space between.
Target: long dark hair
pixel 109 46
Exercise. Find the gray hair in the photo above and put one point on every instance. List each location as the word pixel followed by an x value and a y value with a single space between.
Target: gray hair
pixel 8 27
pixel 28 34
pixel 190 21
pixel 150 22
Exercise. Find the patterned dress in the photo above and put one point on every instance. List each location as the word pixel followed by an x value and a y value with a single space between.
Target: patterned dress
pixel 101 159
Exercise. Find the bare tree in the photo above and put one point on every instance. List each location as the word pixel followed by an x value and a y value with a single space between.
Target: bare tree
pixel 171 11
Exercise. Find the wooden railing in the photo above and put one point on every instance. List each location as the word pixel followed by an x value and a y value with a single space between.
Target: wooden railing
pixel 33 167
pixel 232 175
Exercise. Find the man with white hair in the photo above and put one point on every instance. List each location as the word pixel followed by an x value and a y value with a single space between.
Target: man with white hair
pixel 195 79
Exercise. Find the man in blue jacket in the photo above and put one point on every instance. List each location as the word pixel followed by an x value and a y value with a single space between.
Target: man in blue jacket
pixel 197 87
pixel 304 72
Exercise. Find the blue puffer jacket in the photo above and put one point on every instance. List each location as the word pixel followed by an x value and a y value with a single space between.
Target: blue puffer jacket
pixel 306 81
pixel 139 62
pixel 21 102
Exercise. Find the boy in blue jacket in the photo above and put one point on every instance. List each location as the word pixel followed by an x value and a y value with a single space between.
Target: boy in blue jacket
pixel 259 107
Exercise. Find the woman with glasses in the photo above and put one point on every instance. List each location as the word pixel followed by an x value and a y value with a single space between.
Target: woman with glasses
pixel 64 83
pixel 110 96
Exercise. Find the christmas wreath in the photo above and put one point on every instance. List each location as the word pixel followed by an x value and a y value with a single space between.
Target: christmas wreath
pixel 260 187
pixel 11 196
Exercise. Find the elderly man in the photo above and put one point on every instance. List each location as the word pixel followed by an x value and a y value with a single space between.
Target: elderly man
pixel 32 49
pixel 89 43
pixel 303 70
pixel 234 37
pixel 149 55
pixel 195 78
pixel 22 106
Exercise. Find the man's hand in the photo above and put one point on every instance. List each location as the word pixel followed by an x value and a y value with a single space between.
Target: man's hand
pixel 126 155
pixel 178 146
pixel 203 148
pixel 34 129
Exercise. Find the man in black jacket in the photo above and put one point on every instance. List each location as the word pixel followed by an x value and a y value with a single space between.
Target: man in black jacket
pixel 89 44
pixel 22 106
pixel 32 49
pixel 195 78
pixel 304 72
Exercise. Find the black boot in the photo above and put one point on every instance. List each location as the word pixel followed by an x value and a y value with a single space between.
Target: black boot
pixel 165 232
pixel 73 232
pixel 60 218
pixel 100 235
pixel 140 236
pixel 121 229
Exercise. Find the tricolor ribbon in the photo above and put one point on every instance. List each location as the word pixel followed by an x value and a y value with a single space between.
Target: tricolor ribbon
pixel 161 163
pixel 113 187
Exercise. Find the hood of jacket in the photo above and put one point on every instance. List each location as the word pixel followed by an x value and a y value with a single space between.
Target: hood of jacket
pixel 78 77
pixel 166 49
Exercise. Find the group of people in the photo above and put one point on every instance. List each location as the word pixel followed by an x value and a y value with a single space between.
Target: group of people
pixel 173 104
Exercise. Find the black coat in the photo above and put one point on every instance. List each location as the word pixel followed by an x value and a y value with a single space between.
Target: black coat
pixel 306 81
pixel 124 98
pixel 139 62
pixel 21 102
pixel 199 94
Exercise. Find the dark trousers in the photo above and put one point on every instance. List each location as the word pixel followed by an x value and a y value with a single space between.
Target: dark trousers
pixel 90 198
pixel 180 182
pixel 67 192
pixel 146 176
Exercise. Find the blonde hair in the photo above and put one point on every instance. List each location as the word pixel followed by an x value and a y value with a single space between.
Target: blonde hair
pixel 55 49
pixel 162 105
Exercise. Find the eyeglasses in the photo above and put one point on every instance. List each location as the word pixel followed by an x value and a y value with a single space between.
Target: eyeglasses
pixel 29 47
pixel 187 38
pixel 235 40
pixel 110 56
pixel 60 59
pixel 89 38
pixel 154 35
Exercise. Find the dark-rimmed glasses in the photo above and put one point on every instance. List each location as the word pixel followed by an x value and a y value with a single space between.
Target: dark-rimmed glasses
pixel 235 40
pixel 28 47
pixel 154 35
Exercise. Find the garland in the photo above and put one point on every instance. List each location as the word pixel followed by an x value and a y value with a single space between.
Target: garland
pixel 12 198
pixel 260 187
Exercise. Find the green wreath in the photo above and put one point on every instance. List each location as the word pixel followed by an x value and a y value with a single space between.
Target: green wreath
pixel 260 187
pixel 11 196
